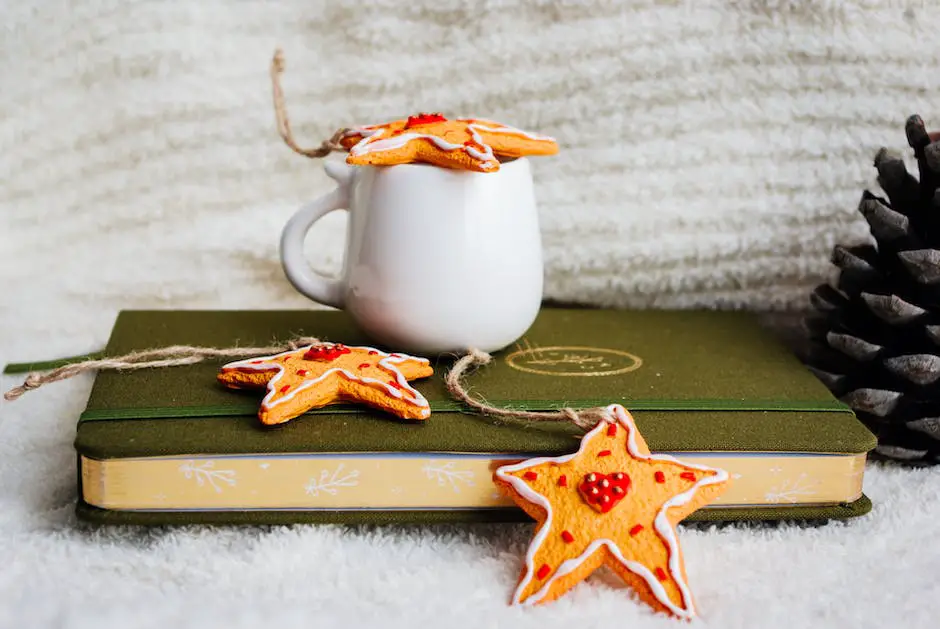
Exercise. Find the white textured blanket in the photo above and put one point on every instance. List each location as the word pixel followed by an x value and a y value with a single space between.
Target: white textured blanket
pixel 712 154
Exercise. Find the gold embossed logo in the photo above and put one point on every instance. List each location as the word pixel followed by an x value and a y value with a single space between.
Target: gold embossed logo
pixel 573 361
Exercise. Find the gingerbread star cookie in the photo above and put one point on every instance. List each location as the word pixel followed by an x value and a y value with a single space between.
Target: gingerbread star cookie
pixel 464 143
pixel 613 503
pixel 317 375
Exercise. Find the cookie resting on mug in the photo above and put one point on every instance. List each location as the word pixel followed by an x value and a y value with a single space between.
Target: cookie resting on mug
pixel 465 143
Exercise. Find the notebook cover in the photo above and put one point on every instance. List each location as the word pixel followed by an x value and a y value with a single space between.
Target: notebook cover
pixel 694 381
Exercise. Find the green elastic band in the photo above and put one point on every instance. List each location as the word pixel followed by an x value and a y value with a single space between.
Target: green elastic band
pixel 50 364
pixel 437 405
pixel 230 410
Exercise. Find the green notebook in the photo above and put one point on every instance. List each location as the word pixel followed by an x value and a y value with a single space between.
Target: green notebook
pixel 171 445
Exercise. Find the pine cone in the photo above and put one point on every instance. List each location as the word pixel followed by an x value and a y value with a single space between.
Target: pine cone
pixel 875 338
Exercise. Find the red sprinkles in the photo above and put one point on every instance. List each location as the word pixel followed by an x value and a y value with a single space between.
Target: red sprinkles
pixel 604 453
pixel 301 372
pixel 567 537
pixel 612 430
pixel 420 119
pixel 363 365
pixel 660 477
pixel 661 574
pixel 285 388
pixel 326 353
pixel 562 481
pixel 530 475
pixel 636 529
pixel 543 571
pixel 687 476
pixel 602 492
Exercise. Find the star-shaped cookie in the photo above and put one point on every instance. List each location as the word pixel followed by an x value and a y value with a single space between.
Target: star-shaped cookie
pixel 466 143
pixel 613 503
pixel 317 375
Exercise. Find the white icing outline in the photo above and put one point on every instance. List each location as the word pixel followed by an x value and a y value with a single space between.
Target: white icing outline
pixel 501 128
pixel 364 132
pixel 388 362
pixel 660 522
pixel 374 142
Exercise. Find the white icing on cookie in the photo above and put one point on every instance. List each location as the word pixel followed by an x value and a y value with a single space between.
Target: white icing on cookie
pixel 374 140
pixel 376 143
pixel 388 363
pixel 479 124
pixel 660 522
pixel 361 131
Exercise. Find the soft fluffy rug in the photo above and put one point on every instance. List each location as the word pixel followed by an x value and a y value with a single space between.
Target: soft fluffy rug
pixel 712 153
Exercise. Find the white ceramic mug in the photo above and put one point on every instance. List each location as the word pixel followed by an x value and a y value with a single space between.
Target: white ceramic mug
pixel 436 260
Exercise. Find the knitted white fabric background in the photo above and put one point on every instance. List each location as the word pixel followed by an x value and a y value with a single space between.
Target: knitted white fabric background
pixel 712 154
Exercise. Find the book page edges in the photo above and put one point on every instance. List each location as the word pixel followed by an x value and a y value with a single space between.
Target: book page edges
pixel 425 481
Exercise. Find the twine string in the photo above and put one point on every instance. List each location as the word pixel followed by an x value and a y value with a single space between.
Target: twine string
pixel 283 122
pixel 473 359
pixel 178 355
pixel 172 356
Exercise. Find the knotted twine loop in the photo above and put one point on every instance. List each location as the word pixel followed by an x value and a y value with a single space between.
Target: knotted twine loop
pixel 172 356
pixel 283 123
pixel 585 418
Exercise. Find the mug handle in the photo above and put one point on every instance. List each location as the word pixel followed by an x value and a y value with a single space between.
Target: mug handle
pixel 299 273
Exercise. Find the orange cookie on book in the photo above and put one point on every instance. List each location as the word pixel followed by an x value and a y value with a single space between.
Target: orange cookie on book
pixel 465 143
pixel 317 375
pixel 613 503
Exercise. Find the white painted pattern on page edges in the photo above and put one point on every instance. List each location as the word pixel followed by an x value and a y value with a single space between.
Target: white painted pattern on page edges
pixel 388 362
pixel 661 522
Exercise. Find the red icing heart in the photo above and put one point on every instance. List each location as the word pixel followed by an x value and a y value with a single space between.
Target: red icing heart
pixel 326 353
pixel 420 119
pixel 602 492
